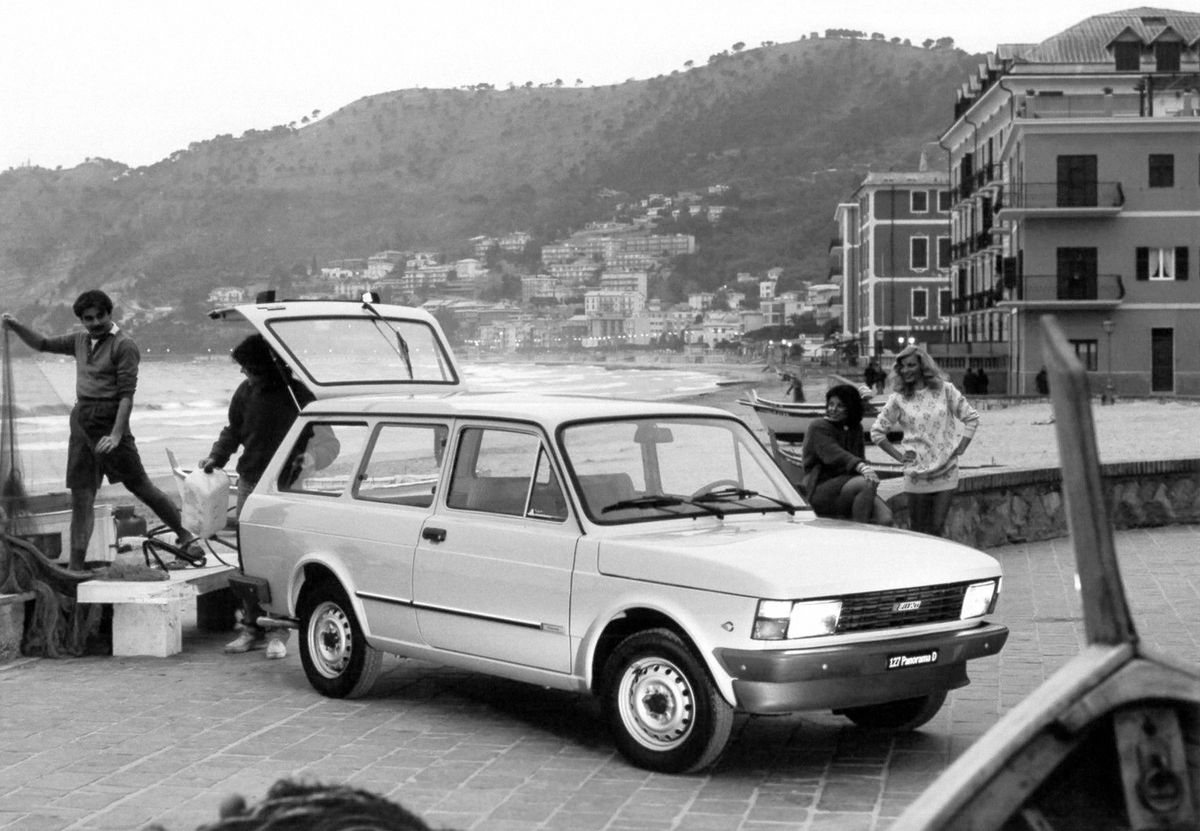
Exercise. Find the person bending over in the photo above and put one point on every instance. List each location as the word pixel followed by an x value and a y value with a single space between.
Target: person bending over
pixel 261 412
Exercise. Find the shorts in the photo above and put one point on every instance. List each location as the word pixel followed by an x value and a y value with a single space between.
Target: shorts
pixel 92 420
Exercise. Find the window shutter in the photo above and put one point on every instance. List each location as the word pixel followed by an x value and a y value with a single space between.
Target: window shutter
pixel 1143 263
pixel 1181 263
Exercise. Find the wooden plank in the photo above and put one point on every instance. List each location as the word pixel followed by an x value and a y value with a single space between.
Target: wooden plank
pixel 1106 614
pixel 979 780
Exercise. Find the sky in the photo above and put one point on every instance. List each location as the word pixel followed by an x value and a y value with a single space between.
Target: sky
pixel 135 80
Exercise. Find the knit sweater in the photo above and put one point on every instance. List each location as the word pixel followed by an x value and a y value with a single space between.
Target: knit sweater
pixel 933 421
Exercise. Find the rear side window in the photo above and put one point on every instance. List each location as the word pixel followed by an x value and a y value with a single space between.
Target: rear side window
pixel 403 464
pixel 324 458
pixel 505 472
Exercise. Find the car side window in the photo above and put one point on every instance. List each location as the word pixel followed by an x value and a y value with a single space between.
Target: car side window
pixel 504 472
pixel 324 458
pixel 403 464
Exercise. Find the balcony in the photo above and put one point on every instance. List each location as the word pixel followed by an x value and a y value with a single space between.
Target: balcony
pixel 1061 292
pixel 976 302
pixel 1057 200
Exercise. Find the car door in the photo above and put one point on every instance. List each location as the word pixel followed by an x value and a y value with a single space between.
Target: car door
pixel 493 567
pixel 393 496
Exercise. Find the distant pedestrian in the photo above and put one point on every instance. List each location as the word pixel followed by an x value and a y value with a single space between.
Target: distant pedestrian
pixel 981 381
pixel 874 376
pixel 929 410
pixel 968 382
pixel 1042 382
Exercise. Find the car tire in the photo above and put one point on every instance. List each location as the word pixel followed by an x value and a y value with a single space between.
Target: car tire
pixel 906 714
pixel 664 710
pixel 335 654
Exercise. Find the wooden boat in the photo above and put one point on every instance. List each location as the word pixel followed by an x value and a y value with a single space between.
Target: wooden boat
pixel 1111 740
pixel 788 421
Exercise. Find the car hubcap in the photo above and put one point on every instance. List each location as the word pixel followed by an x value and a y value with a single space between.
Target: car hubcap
pixel 329 640
pixel 657 704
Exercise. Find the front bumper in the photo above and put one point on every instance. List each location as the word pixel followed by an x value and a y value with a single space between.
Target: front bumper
pixel 855 675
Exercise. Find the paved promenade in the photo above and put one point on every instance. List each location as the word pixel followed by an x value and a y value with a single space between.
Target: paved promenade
pixel 119 743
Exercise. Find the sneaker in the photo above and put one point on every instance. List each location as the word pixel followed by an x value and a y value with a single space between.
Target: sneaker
pixel 244 642
pixel 276 648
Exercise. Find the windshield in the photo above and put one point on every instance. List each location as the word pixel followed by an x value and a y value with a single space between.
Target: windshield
pixel 358 350
pixel 645 469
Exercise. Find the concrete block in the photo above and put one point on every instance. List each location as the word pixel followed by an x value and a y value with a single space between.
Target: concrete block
pixel 152 627
pixel 12 624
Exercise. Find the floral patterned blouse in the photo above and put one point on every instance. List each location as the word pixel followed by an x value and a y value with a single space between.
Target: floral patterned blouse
pixel 933 421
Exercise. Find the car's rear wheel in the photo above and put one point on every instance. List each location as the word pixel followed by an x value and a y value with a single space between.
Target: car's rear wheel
pixel 665 711
pixel 907 714
pixel 337 659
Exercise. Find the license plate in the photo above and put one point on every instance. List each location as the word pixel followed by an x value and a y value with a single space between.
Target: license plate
pixel 912 659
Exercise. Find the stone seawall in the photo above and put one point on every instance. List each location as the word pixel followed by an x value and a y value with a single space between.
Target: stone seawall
pixel 1016 506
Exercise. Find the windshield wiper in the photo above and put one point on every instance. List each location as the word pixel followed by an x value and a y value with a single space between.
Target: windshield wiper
pixel 661 500
pixel 401 344
pixel 729 492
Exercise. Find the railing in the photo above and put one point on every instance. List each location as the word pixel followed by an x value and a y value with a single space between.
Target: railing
pixel 1095 105
pixel 987 174
pixel 1034 288
pixel 1043 288
pixel 1058 195
pixel 976 302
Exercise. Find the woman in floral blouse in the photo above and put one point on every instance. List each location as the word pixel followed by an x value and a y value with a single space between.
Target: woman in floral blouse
pixel 938 423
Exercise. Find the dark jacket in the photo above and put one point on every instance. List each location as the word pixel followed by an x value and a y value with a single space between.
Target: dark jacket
pixel 259 418
pixel 837 448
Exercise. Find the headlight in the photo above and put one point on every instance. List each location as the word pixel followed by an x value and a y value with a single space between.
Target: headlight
pixel 782 619
pixel 977 600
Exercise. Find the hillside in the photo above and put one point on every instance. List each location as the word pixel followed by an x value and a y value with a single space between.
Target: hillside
pixel 792 127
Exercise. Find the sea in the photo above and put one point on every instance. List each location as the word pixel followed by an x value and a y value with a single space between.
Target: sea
pixel 181 406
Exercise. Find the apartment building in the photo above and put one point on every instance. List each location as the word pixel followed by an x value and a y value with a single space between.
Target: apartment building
pixel 1075 170
pixel 891 258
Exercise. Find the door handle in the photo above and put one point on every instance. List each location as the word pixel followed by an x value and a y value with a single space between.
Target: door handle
pixel 434 534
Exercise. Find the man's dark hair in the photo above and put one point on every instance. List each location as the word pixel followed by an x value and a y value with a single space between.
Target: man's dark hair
pixel 254 353
pixel 92 299
pixel 851 399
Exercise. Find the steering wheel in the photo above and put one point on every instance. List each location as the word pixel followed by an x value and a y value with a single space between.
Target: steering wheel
pixel 716 484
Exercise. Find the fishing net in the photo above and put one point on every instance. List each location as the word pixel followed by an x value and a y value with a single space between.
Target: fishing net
pixel 55 624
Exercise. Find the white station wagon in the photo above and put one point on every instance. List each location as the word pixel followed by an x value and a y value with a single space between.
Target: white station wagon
pixel 652 554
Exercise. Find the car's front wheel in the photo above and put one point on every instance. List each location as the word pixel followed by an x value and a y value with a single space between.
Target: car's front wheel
pixel 337 659
pixel 908 714
pixel 664 710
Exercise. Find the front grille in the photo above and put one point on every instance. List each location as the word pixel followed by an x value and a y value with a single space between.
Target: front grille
pixel 881 610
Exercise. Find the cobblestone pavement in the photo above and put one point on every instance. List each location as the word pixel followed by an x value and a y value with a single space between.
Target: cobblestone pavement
pixel 119 743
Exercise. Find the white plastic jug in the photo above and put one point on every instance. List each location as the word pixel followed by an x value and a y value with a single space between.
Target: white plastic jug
pixel 205 501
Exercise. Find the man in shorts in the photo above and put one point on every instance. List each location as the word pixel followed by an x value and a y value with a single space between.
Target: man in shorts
pixel 100 444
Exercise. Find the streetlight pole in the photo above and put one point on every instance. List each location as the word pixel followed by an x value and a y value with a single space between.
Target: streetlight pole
pixel 1107 396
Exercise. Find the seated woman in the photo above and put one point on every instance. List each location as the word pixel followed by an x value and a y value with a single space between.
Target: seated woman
pixel 837 479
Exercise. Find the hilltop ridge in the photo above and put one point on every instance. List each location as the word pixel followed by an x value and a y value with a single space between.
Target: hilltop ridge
pixel 793 127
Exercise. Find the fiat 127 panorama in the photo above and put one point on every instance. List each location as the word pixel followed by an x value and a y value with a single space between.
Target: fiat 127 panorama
pixel 652 554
